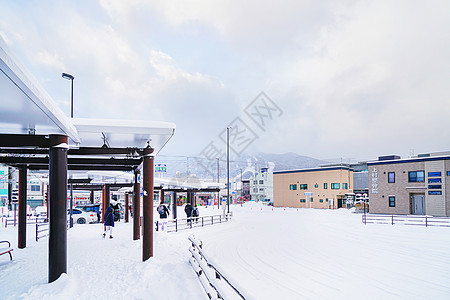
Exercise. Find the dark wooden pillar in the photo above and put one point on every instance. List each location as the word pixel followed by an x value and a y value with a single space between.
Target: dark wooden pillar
pixel 91 197
pixel 107 196
pixel 162 196
pixel 57 242
pixel 174 205
pixel 147 204
pixel 22 231
pixel 127 207
pixel 103 204
pixel 136 206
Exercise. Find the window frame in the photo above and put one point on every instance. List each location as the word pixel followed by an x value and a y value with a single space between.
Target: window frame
pixel 334 184
pixel 391 180
pixel 391 200
pixel 416 177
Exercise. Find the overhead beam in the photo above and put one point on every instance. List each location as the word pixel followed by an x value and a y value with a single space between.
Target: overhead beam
pixel 24 140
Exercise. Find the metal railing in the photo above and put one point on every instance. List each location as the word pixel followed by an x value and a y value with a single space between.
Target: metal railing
pixel 215 284
pixel 42 228
pixel 174 225
pixel 31 220
pixel 406 220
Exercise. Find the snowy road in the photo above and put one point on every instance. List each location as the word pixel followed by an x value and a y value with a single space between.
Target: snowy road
pixel 323 254
pixel 279 254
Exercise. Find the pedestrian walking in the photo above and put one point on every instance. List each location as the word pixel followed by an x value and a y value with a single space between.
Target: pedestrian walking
pixel 109 222
pixel 163 211
pixel 188 210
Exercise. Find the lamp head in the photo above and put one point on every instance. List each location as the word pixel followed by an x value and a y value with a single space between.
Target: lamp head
pixel 68 76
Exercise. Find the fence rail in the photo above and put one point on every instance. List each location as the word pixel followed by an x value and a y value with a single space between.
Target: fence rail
pixel 42 229
pixel 406 220
pixel 174 225
pixel 9 221
pixel 215 284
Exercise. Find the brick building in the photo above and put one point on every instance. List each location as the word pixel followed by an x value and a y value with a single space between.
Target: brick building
pixel 416 185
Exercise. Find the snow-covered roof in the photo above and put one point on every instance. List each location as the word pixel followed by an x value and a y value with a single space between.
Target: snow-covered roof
pixel 25 105
pixel 26 108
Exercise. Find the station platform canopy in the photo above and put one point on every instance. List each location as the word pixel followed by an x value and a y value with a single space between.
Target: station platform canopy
pixel 26 108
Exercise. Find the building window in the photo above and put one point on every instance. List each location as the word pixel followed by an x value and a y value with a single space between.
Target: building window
pixel 435 186
pixel 326 200
pixel 335 186
pixel 321 200
pixel 391 177
pixel 345 186
pixel 325 185
pixel 316 185
pixel 261 182
pixel 255 182
pixel 416 176
pixel 311 199
pixel 434 192
pixel 434 180
pixel 293 187
pixel 35 188
pixel 448 173
pixel 261 190
pixel 391 201
pixel 303 200
pixel 434 174
pixel 303 186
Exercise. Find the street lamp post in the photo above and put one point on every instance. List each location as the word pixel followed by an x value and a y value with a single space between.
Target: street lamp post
pixel 71 78
pixel 242 189
pixel 218 193
pixel 228 169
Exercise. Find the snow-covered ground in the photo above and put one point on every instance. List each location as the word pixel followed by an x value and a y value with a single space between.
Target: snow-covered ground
pixel 271 253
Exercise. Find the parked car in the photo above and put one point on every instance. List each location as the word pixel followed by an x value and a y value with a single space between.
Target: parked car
pixel 40 212
pixel 82 217
pixel 95 208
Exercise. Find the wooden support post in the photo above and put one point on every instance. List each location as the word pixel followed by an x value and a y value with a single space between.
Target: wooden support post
pixel 57 242
pixel 22 231
pixel 136 206
pixel 147 204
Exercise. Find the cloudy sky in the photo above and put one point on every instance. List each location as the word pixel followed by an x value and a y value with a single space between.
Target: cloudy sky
pixel 351 79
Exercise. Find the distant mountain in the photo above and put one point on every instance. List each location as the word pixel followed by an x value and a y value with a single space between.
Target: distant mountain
pixel 181 166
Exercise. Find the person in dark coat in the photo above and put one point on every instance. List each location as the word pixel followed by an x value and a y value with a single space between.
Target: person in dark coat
pixel 163 211
pixel 188 210
pixel 109 222
pixel 195 214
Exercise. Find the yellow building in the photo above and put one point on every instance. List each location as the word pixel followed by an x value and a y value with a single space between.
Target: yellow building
pixel 313 188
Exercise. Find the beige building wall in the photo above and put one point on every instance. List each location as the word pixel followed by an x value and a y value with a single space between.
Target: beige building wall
pixel 314 179
pixel 435 204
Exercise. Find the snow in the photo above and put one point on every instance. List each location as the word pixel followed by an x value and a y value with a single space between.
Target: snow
pixel 269 253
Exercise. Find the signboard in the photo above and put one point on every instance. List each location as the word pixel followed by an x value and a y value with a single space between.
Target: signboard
pixel 374 181
pixel 308 193
pixel 160 168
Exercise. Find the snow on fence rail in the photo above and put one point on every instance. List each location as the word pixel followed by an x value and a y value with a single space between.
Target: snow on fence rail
pixel 188 223
pixel 406 220
pixel 215 284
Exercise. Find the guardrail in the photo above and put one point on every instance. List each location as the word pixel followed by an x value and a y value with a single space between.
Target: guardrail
pixel 174 225
pixel 42 226
pixel 406 220
pixel 31 220
pixel 215 284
